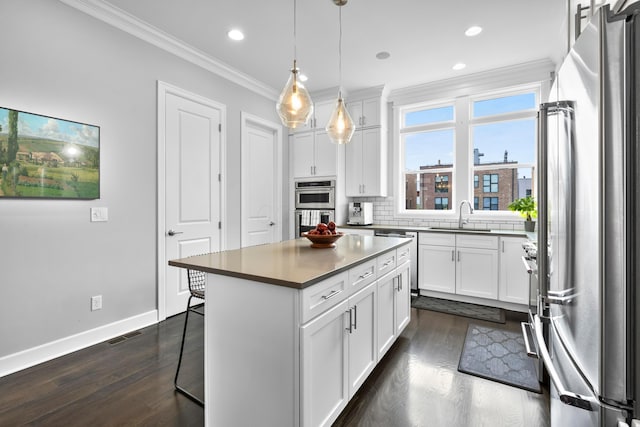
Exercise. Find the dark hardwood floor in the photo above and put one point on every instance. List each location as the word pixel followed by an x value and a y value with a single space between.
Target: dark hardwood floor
pixel 130 383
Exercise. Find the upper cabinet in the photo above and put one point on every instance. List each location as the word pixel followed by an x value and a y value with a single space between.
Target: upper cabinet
pixel 313 154
pixel 366 154
pixel 366 113
pixel 320 117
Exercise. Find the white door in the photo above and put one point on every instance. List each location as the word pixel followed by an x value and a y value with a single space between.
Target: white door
pixel 437 268
pixel 189 168
pixel 261 188
pixel 386 312
pixel 477 272
pixel 403 298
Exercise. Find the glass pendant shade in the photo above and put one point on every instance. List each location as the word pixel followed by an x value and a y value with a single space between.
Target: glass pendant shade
pixel 294 105
pixel 340 127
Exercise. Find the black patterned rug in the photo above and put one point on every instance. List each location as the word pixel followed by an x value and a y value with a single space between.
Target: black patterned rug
pixel 474 311
pixel 498 355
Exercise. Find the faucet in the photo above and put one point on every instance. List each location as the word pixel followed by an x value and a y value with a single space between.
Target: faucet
pixel 462 222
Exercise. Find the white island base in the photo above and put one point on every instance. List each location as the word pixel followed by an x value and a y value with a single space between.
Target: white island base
pixel 279 353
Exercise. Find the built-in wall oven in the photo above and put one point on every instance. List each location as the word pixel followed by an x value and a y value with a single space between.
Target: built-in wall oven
pixel 307 219
pixel 315 194
pixel 315 202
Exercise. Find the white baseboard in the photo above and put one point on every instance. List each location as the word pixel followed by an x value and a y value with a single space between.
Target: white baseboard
pixel 33 356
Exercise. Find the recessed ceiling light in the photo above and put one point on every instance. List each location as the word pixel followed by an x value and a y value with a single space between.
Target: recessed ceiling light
pixel 459 66
pixel 473 31
pixel 235 35
pixel 303 77
pixel 383 55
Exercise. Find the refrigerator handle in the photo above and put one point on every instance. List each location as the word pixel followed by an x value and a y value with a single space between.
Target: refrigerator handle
pixel 566 396
pixel 565 108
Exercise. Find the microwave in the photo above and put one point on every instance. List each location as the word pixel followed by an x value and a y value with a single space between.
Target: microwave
pixel 315 194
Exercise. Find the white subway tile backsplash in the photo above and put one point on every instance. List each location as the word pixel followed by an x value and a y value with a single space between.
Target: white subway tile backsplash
pixel 384 214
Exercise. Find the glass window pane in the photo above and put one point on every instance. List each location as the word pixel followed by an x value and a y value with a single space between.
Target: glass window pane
pixel 500 148
pixel 428 149
pixel 428 164
pixel 506 104
pixel 429 116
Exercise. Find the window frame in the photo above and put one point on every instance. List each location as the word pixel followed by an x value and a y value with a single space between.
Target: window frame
pixel 462 173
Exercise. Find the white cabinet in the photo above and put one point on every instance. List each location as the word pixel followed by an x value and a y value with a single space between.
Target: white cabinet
pixel 366 164
pixel 464 264
pixel 394 304
pixel 338 354
pixel 366 112
pixel 362 337
pixel 437 262
pixel 386 313
pixel 403 298
pixel 477 265
pixel 513 283
pixel 318 120
pixel 313 154
pixel 325 384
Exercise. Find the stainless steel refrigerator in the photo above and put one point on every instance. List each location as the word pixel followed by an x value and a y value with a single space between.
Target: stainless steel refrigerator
pixel 588 246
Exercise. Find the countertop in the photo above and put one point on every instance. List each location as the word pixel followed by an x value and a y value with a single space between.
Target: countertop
pixel 291 263
pixel 518 233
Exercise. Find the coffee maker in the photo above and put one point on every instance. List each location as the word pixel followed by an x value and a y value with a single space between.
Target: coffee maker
pixel 360 213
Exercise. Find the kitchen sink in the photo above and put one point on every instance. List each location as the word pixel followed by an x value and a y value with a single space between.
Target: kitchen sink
pixel 457 230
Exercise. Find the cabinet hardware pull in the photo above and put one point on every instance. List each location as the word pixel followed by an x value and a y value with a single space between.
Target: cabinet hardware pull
pixel 453 254
pixel 503 246
pixel 386 264
pixel 458 256
pixel 400 280
pixel 173 233
pixel 355 317
pixel 332 294
pixel 365 275
pixel 350 321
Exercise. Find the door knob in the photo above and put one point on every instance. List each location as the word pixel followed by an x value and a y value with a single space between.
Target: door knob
pixel 173 233
pixel 272 223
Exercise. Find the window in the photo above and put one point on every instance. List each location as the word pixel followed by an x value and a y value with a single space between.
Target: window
pixel 490 203
pixel 503 133
pixel 489 137
pixel 442 184
pixel 490 183
pixel 428 145
pixel 441 203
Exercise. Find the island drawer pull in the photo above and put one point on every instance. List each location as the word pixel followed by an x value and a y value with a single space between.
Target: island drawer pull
pixel 365 275
pixel 386 264
pixel 331 294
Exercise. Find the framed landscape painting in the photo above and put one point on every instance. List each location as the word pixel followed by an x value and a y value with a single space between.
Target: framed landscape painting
pixel 48 158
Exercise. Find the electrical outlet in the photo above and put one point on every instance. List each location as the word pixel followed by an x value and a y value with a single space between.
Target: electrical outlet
pixel 96 303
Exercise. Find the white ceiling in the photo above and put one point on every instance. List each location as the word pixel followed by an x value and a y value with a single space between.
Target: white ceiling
pixel 424 37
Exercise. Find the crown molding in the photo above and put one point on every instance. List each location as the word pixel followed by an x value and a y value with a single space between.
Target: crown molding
pixel 128 23
pixel 529 72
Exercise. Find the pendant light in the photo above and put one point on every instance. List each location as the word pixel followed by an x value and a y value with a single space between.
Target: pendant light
pixel 294 104
pixel 340 127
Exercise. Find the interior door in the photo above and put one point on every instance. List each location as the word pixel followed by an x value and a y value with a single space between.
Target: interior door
pixel 261 178
pixel 191 130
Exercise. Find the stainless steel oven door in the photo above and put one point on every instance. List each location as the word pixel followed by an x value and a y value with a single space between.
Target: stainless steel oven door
pixel 307 219
pixel 315 198
pixel 315 194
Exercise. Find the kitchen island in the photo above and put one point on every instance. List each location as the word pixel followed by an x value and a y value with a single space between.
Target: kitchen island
pixel 291 332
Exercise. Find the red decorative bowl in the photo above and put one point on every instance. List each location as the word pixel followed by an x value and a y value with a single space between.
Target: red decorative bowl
pixel 323 241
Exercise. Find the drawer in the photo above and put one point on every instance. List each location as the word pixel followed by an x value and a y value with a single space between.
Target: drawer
pixel 476 241
pixel 323 295
pixel 437 239
pixel 403 254
pixel 386 262
pixel 361 275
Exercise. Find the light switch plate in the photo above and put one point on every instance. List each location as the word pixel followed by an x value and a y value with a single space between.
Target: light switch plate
pixel 99 214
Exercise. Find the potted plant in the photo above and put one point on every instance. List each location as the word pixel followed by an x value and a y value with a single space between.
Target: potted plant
pixel 526 207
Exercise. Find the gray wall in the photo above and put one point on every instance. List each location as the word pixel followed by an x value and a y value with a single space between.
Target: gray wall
pixel 58 61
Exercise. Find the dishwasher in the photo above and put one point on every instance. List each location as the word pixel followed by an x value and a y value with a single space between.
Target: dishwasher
pixel 413 250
